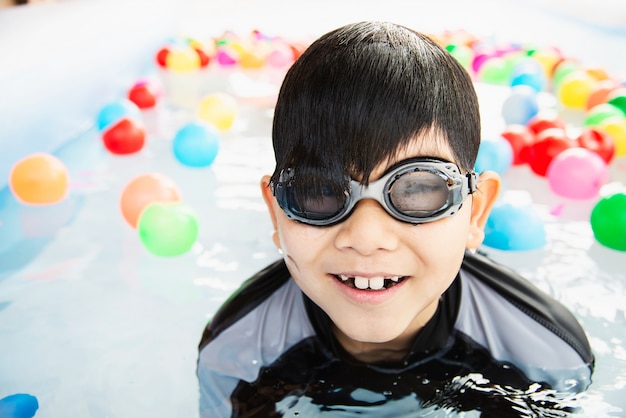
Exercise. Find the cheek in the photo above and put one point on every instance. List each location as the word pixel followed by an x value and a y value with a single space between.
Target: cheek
pixel 298 240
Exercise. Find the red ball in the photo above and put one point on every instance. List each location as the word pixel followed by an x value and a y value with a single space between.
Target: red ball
pixel 520 138
pixel 161 57
pixel 143 95
pixel 550 143
pixel 597 141
pixel 204 58
pixel 125 137
pixel 542 122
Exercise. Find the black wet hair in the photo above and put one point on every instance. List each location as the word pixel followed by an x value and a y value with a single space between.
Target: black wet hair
pixel 361 92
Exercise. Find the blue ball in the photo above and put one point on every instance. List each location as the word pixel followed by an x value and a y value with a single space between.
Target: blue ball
pixel 19 405
pixel 529 72
pixel 495 155
pixel 196 144
pixel 112 113
pixel 520 106
pixel 514 228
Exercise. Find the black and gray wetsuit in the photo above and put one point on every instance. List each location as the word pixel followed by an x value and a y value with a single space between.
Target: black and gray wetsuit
pixel 497 345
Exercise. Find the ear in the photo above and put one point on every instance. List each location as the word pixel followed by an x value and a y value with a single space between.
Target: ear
pixel 272 207
pixel 483 199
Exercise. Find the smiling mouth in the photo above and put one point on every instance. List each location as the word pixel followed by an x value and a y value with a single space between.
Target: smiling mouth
pixel 371 283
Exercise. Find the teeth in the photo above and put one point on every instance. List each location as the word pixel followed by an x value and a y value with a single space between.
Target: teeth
pixel 343 277
pixel 377 283
pixel 395 278
pixel 361 282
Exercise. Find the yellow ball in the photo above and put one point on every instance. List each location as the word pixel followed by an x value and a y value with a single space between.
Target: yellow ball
pixel 575 89
pixel 616 129
pixel 219 109
pixel 182 60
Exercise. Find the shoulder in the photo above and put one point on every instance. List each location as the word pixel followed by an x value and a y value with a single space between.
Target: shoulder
pixel 258 323
pixel 518 323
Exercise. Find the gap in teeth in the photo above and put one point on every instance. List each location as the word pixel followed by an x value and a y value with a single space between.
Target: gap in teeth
pixel 373 283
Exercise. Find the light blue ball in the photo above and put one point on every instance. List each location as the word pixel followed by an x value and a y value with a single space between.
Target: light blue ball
pixel 514 228
pixel 529 72
pixel 520 106
pixel 196 144
pixel 495 155
pixel 112 113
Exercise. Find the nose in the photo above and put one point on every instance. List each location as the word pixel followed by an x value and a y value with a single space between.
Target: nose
pixel 368 229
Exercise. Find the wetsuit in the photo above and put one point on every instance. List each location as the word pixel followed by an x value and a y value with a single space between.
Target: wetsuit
pixel 497 345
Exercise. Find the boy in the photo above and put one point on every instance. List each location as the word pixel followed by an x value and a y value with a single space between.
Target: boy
pixel 380 306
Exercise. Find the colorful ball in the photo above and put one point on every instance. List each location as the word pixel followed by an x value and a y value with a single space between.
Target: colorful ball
pixel 616 129
pixel 112 113
pixel 182 59
pixel 617 98
pixel 168 229
pixel 545 120
pixel 125 137
pixel 196 144
pixel 600 93
pixel 514 228
pixel 608 221
pixel 219 109
pixel 143 94
pixel 574 90
pixel 520 137
pixel 494 154
pixel 529 72
pixel 577 173
pixel 597 141
pixel 495 70
pixel 143 190
pixel 548 145
pixel 39 179
pixel 520 106
pixel 601 112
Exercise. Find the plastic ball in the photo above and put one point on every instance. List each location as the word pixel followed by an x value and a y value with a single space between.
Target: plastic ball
pixel 600 93
pixel 520 137
pixel 548 59
pixel 495 70
pixel 514 228
pixel 143 94
pixel 125 137
pixel 616 129
pixel 112 113
pixel 203 57
pixel 520 106
pixel 196 144
pixel 575 89
pixel 39 179
pixel 617 98
pixel 597 141
pixel 182 59
pixel 548 145
pixel 219 109
pixel 161 57
pixel 562 69
pixel 545 120
pixel 529 72
pixel 608 221
pixel 494 154
pixel 19 405
pixel 168 229
pixel 577 173
pixel 463 54
pixel 601 112
pixel 143 190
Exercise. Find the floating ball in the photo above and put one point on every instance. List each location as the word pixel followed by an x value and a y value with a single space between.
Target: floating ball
pixel 168 229
pixel 39 179
pixel 545 120
pixel 617 98
pixel 463 54
pixel 495 70
pixel 125 137
pixel 616 129
pixel 548 145
pixel 600 92
pixel 161 57
pixel 520 137
pixel 196 144
pixel 19 405
pixel 520 106
pixel 608 221
pixel 562 69
pixel 494 154
pixel 143 94
pixel 219 109
pixel 601 112
pixel 143 190
pixel 529 72
pixel 577 173
pixel 182 59
pixel 574 90
pixel 597 141
pixel 112 113
pixel 514 228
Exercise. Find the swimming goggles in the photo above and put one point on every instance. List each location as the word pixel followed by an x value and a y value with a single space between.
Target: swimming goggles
pixel 416 190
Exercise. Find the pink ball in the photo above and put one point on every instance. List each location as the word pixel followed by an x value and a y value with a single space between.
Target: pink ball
pixel 577 173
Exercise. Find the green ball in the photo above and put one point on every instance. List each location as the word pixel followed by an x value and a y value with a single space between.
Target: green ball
pixel 600 113
pixel 168 229
pixel 496 71
pixel 608 221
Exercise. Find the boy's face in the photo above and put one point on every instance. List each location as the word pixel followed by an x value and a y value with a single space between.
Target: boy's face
pixel 379 324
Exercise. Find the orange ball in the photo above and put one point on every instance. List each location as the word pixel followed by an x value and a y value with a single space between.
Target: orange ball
pixel 143 190
pixel 39 179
